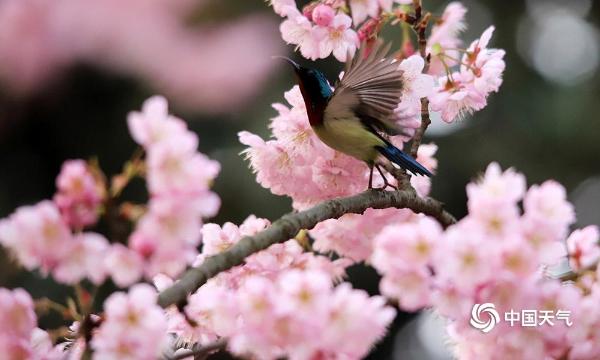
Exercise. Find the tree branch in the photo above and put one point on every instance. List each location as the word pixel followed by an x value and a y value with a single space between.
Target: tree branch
pixel 420 25
pixel 201 352
pixel 289 225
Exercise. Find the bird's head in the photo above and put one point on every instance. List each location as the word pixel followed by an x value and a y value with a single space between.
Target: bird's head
pixel 313 83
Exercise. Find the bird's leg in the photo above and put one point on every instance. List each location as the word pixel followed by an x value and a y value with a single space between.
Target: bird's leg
pixel 386 183
pixel 370 177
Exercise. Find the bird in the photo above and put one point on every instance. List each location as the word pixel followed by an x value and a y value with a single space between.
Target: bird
pixel 354 116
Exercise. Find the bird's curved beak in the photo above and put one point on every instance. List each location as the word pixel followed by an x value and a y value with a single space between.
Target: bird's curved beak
pixel 292 62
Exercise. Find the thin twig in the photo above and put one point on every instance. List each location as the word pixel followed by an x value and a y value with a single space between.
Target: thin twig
pixel 289 225
pixel 201 352
pixel 420 25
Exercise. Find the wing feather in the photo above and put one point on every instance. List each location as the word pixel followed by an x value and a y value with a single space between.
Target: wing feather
pixel 371 87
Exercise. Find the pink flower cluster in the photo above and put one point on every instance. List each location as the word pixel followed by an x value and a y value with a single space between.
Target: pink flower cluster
pixel 466 90
pixel 443 42
pixel 280 303
pixel 323 28
pixel 39 237
pixel 297 164
pixel 416 86
pixel 134 326
pixel 79 194
pixel 584 248
pixel 48 235
pixel 179 180
pixel 495 255
pixel 301 316
pixel 150 40
pixel 211 305
pixel 318 32
pixel 17 323
pixel 352 235
pixel 364 9
pixel 19 336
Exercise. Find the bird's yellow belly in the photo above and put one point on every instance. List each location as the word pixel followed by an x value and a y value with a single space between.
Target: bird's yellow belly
pixel 351 138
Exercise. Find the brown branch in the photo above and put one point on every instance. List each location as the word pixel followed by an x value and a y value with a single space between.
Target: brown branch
pixel 572 275
pixel 420 25
pixel 289 225
pixel 202 352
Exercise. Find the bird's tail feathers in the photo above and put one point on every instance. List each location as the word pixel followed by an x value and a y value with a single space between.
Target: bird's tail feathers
pixel 403 160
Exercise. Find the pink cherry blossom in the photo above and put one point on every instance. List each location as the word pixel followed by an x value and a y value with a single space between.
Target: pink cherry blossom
pixel 455 97
pixel 174 167
pixel 42 347
pixel 154 123
pixel 484 65
pixel 124 266
pixel 16 313
pixel 361 9
pixel 583 335
pixel 352 234
pixel 305 293
pixel 179 180
pixel 134 325
pixel 425 156
pixel 408 117
pixel 170 223
pixel 444 41
pixel 79 194
pixel 37 235
pixel 410 287
pixel 214 309
pixel 338 38
pixel 280 6
pixel 465 91
pixel 497 186
pixel 357 321
pixel 298 30
pixel 398 247
pixel 417 84
pixel 84 260
pixel 548 204
pixel 17 322
pixel 301 316
pixel 583 247
pixel 268 263
pixel 463 259
pixel 546 242
pixel 216 305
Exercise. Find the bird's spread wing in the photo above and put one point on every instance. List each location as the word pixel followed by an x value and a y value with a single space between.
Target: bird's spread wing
pixel 371 87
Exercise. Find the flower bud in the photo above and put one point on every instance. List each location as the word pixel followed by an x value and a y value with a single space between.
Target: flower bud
pixel 323 15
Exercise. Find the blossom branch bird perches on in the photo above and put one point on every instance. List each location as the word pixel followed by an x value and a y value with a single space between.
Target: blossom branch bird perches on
pixel 289 225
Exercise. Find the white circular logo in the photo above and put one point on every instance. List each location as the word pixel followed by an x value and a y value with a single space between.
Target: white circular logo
pixel 478 323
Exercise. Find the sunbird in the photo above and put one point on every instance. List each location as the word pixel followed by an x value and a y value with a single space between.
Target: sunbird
pixel 355 117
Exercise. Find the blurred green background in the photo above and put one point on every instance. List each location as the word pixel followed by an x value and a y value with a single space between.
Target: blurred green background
pixel 543 122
